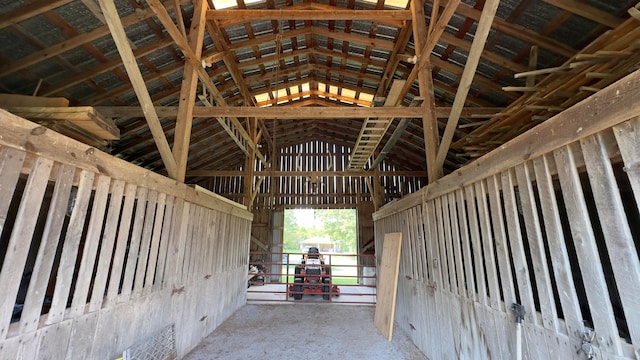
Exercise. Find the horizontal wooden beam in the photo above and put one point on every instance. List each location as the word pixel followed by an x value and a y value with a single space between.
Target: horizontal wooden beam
pixel 290 14
pixel 342 112
pixel 358 173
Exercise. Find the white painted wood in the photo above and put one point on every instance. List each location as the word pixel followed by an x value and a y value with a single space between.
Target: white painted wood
pixel 615 227
pixel 70 248
pixel 587 251
pixel 20 239
pixel 536 247
pixel 440 239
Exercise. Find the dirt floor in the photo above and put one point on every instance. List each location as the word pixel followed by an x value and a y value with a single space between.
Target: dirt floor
pixel 303 331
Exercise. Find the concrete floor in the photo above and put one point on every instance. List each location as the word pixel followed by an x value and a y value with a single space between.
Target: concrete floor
pixel 303 331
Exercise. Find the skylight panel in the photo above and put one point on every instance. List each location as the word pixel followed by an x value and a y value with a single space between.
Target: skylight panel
pixel 226 4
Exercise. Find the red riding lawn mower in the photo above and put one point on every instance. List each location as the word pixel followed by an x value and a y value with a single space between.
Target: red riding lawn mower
pixel 312 276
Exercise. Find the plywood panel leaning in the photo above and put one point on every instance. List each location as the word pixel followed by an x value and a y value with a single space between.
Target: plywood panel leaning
pixel 388 284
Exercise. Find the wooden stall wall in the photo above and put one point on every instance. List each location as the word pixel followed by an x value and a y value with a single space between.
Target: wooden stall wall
pixel 98 255
pixel 550 221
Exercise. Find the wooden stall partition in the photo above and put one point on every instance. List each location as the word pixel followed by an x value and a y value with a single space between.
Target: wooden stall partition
pixel 551 225
pixel 99 256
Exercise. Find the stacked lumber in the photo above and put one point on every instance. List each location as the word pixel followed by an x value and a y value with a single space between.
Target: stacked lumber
pixel 83 123
pixel 609 58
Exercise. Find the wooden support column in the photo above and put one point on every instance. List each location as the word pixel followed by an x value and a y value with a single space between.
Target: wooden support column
pixel 425 81
pixel 137 81
pixel 248 167
pixel 188 91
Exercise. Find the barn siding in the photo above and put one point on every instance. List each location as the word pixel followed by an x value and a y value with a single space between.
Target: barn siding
pixel 549 221
pixel 118 252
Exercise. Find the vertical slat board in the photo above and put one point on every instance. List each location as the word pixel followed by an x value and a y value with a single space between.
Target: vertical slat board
pixel 487 244
pixel 518 256
pixel 500 237
pixel 106 249
pixel 90 250
pixel 155 244
pixel 433 253
pixel 440 239
pixel 20 239
pixel 588 258
pixel 177 247
pixel 536 246
pixel 466 244
pixel 117 267
pixel 388 283
pixel 476 241
pixel 47 251
pixel 161 273
pixel 617 234
pixel 70 248
pixel 134 244
pixel 457 251
pixel 448 240
pixel 145 243
pixel 628 138
pixel 557 247
pixel 10 165
pixel 421 255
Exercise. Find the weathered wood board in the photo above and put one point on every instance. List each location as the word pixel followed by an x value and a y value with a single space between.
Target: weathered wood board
pixel 388 284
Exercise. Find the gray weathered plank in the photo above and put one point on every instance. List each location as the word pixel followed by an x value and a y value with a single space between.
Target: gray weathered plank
pixel 617 234
pixel 523 279
pixel 155 243
pixel 557 247
pixel 167 228
pixel 628 138
pixel 54 340
pixel 440 239
pixel 134 244
pixel 106 249
pixel 487 244
pixel 11 161
pixel 457 250
pixel 47 251
pixel 20 239
pixel 476 242
pixel 70 248
pixel 145 243
pixel 587 251
pixel 466 244
pixel 87 263
pixel 536 247
pixel 500 236
pixel 82 336
pixel 121 243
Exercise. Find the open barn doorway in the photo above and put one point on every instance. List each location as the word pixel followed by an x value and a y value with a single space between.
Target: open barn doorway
pixel 316 240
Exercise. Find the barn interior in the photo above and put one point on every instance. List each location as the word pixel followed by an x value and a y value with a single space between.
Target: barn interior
pixel 149 149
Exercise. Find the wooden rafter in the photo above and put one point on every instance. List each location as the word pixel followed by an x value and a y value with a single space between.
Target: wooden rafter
pixel 480 38
pixel 120 38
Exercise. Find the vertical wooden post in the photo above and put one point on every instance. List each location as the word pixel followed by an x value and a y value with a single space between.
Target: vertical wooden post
pixel 249 165
pixel 425 81
pixel 188 91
